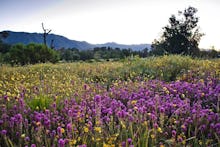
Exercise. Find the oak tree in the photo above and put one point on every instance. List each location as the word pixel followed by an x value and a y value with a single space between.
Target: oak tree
pixel 181 36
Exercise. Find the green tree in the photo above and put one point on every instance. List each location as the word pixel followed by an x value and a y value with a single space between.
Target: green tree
pixel 144 53
pixel 70 54
pixel 17 54
pixel 86 55
pixel 126 52
pixel 4 48
pixel 181 36
pixel 31 54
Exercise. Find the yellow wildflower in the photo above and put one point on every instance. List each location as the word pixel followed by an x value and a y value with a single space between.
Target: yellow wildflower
pixel 98 139
pixel 98 129
pixel 184 142
pixel 8 94
pixel 78 113
pixel 133 102
pixel 152 136
pixel 164 89
pixel 183 126
pixel 108 145
pixel 62 130
pixel 201 80
pixel 86 129
pixel 22 135
pixel 159 130
pixel 72 142
pixel 97 122
pixel 183 95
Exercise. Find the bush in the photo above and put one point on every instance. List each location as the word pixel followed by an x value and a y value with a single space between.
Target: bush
pixel 32 54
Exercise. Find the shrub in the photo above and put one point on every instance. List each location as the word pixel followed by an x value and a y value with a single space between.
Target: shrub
pixel 32 54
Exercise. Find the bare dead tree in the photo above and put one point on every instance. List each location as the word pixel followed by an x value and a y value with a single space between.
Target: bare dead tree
pixel 46 32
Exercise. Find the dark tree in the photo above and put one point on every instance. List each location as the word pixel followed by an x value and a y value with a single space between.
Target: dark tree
pixel 31 54
pixel 70 55
pixel 46 32
pixel 144 53
pixel 181 36
pixel 86 55
pixel 3 46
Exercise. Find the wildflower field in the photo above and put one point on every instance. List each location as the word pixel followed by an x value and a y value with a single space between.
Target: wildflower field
pixel 157 101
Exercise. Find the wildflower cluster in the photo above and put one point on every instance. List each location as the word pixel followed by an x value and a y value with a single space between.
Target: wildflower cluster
pixel 72 111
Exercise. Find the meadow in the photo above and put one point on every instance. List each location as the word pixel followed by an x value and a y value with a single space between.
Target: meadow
pixel 157 101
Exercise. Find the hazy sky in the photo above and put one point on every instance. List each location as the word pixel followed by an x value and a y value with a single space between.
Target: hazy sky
pixel 100 21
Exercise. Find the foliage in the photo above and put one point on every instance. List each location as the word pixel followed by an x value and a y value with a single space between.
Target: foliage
pixel 20 54
pixel 40 102
pixel 4 48
pixel 209 54
pixel 182 35
pixel 31 54
pixel 99 53
pixel 69 55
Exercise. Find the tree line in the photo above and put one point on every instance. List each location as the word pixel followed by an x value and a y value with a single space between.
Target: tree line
pixel 32 53
pixel 99 53
pixel 39 53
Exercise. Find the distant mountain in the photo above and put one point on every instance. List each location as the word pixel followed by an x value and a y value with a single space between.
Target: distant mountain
pixel 63 42
pixel 59 41
pixel 135 47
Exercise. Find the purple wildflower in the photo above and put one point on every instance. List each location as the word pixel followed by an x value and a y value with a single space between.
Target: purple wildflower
pixel 4 132
pixel 27 139
pixel 83 145
pixel 97 99
pixel 173 133
pixel 61 143
pixel 123 144
pixel 69 127
pixel 129 140
pixel 33 145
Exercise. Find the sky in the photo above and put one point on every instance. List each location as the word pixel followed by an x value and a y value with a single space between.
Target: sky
pixel 101 21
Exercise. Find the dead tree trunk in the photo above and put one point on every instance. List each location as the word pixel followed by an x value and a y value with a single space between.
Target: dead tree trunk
pixel 46 32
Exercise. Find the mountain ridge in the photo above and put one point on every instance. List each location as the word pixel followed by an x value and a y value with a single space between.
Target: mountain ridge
pixel 60 41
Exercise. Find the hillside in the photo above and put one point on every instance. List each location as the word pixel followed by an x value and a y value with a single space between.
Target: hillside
pixel 59 41
pixel 63 42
